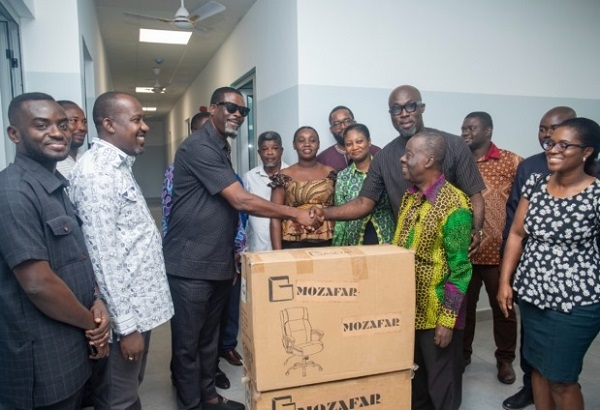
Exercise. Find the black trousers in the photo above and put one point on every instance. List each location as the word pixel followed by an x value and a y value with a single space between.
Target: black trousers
pixel 437 384
pixel 195 337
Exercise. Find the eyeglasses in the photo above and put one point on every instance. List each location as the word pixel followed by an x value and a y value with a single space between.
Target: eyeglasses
pixel 231 108
pixel 547 145
pixel 346 122
pixel 410 106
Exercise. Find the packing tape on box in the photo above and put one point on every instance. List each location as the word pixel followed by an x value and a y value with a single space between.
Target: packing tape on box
pixel 304 264
pixel 358 261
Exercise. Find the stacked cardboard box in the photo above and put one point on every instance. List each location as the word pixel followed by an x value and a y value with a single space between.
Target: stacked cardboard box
pixel 328 315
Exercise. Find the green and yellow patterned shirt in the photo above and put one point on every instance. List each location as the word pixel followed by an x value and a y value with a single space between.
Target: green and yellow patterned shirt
pixel 347 233
pixel 437 225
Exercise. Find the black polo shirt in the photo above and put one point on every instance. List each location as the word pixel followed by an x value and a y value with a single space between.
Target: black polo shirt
pixel 202 224
pixel 385 172
pixel 42 361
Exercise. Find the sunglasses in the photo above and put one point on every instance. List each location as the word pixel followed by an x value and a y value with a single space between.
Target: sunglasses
pixel 231 108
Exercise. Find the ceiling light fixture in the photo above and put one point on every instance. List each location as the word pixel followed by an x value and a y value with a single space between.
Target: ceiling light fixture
pixel 149 108
pixel 164 36
pixel 143 89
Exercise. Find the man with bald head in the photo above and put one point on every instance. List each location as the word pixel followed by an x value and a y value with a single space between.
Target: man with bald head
pixel 435 221
pixel 535 164
pixel 385 174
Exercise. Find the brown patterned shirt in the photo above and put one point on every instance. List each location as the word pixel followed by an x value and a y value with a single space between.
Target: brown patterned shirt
pixel 498 168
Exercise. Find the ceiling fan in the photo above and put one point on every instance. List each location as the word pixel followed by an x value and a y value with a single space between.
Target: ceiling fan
pixel 184 20
pixel 157 88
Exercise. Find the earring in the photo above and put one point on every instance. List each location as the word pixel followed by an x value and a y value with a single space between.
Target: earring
pixel 584 158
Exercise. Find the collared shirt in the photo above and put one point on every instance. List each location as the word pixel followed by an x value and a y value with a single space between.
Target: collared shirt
pixel 498 168
pixel 338 159
pixel 437 225
pixel 347 187
pixel 123 239
pixel 256 181
pixel 385 173
pixel 202 224
pixel 43 361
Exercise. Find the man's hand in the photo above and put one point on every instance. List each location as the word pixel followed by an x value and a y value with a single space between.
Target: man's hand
pixel 443 336
pixel 318 213
pixel 475 242
pixel 99 336
pixel 310 222
pixel 132 346
pixel 505 298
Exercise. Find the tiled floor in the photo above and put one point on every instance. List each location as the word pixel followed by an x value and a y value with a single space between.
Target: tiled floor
pixel 481 389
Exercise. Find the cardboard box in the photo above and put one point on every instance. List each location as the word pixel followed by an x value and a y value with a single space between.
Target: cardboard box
pixel 322 314
pixel 390 391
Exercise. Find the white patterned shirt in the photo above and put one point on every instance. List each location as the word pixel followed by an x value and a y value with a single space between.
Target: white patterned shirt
pixel 258 236
pixel 122 239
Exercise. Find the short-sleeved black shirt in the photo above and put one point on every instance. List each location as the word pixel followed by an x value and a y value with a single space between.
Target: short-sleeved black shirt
pixel 42 361
pixel 202 224
pixel 385 172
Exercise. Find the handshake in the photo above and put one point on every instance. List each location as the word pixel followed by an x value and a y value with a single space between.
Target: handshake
pixel 311 218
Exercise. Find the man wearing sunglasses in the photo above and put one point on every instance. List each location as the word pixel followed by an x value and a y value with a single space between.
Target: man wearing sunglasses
pixel 385 174
pixel 335 156
pixel 198 247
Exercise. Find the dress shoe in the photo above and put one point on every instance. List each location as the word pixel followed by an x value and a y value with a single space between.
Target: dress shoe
pixel 223 404
pixel 221 380
pixel 519 400
pixel 506 374
pixel 232 356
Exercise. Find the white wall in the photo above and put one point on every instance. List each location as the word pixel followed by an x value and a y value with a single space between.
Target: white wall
pixel 265 39
pixel 511 59
pixel 53 34
pixel 514 59
pixel 51 46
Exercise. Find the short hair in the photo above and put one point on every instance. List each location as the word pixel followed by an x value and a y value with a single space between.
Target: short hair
pixel 269 136
pixel 562 110
pixel 198 117
pixel 218 94
pixel 305 127
pixel 338 108
pixel 435 145
pixel 362 128
pixel 104 106
pixel 15 105
pixel 67 103
pixel 484 117
pixel 588 132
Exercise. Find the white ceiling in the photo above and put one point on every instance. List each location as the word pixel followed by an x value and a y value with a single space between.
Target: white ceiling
pixel 131 62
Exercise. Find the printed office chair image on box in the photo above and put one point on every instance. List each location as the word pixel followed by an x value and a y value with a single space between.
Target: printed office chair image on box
pixel 299 338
